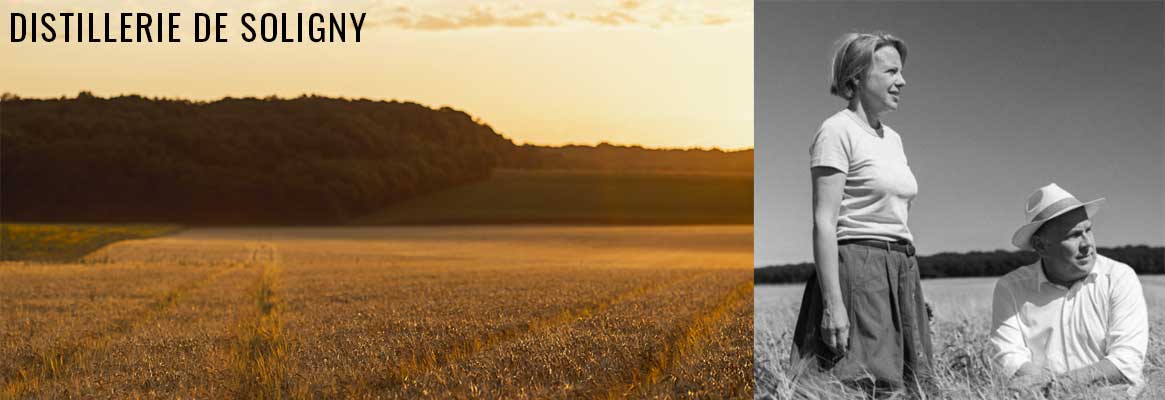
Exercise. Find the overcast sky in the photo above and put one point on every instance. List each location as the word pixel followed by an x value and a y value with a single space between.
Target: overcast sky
pixel 1000 99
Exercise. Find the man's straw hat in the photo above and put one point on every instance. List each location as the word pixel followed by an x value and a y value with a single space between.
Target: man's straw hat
pixel 1046 203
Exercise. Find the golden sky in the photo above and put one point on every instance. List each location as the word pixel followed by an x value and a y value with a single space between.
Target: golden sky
pixel 659 74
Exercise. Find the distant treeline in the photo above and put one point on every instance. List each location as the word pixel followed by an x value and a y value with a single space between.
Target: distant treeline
pixel 308 160
pixel 609 157
pixel 1143 259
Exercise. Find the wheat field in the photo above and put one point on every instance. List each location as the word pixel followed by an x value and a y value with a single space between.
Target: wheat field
pixel 423 312
pixel 962 308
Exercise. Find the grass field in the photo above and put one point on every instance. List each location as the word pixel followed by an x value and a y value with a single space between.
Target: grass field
pixel 516 196
pixel 62 242
pixel 961 328
pixel 420 312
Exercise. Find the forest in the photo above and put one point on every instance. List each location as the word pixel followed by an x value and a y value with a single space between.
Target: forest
pixel 305 160
pixel 1143 259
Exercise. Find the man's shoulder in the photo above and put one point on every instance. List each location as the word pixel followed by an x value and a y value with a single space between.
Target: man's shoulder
pixel 1115 270
pixel 1019 276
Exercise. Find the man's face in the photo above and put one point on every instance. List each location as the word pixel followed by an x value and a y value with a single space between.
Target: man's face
pixel 1066 245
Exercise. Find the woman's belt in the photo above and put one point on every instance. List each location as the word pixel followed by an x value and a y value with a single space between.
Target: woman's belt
pixel 901 247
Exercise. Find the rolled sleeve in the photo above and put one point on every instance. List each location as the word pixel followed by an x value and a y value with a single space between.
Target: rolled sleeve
pixel 1006 337
pixel 1128 331
pixel 830 148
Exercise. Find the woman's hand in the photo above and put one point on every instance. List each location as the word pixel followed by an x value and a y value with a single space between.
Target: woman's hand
pixel 835 327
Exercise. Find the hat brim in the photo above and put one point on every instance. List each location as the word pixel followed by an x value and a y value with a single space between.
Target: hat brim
pixel 1022 237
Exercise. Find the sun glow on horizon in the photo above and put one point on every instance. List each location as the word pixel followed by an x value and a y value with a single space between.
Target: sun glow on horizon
pixel 629 73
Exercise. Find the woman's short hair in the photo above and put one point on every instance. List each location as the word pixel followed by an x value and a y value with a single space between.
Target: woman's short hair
pixel 852 56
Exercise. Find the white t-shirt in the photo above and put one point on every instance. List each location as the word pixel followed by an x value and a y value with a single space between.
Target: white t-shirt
pixel 879 185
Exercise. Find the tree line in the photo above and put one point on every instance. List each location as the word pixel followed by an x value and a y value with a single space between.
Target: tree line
pixel 1143 259
pixel 310 159
pixel 609 157
pixel 306 160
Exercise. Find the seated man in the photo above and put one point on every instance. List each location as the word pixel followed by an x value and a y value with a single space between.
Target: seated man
pixel 1074 317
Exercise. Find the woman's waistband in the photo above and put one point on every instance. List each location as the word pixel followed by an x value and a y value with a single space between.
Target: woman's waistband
pixel 903 247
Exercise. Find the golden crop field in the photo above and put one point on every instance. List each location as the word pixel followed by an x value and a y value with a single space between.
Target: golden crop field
pixel 431 312
pixel 962 308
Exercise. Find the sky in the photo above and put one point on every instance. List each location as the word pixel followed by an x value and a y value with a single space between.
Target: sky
pixel 653 73
pixel 1000 99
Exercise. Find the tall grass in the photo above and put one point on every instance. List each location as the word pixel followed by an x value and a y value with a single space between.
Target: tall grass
pixel 663 363
pixel 56 361
pixel 962 356
pixel 418 312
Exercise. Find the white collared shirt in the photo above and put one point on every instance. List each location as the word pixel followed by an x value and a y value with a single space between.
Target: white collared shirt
pixel 1103 316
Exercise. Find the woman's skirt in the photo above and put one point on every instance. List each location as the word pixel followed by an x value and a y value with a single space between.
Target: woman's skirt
pixel 889 333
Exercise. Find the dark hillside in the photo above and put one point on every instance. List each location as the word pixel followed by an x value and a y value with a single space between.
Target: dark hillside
pixel 308 160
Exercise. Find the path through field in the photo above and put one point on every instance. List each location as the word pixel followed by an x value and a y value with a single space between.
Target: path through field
pixel 511 312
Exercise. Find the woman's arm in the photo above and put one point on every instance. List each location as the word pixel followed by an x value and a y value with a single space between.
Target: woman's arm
pixel 828 184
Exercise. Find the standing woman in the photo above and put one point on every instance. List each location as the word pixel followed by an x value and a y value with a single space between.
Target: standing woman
pixel 863 315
